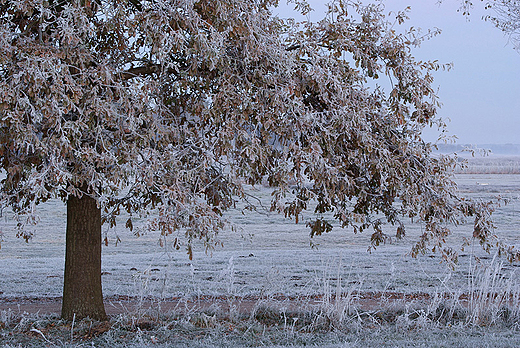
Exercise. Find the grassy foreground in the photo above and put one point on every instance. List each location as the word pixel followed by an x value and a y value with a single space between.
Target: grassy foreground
pixel 442 321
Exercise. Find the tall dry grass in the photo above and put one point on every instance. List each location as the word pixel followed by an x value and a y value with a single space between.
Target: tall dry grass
pixel 334 316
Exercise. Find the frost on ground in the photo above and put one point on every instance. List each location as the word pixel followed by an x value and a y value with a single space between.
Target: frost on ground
pixel 269 260
pixel 267 255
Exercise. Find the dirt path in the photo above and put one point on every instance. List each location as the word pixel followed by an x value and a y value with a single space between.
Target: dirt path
pixel 114 305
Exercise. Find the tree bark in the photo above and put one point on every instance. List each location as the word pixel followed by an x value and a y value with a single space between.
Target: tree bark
pixel 82 291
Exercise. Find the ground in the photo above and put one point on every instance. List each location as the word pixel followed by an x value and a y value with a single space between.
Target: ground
pixel 267 287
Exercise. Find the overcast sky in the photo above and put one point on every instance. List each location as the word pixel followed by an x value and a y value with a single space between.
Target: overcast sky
pixel 481 94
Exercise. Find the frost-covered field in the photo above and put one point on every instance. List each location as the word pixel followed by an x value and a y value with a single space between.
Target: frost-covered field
pixel 271 256
pixel 268 254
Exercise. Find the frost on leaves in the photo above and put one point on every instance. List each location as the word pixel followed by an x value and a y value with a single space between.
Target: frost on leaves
pixel 173 105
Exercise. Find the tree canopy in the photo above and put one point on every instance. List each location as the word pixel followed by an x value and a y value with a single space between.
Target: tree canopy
pixel 174 105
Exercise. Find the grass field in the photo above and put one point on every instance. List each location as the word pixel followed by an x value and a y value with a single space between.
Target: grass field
pixel 270 264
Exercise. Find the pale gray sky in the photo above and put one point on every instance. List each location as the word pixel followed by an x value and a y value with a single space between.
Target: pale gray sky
pixel 481 94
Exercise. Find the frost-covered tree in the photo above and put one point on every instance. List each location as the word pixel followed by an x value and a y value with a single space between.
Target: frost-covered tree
pixel 505 15
pixel 172 106
pixel 507 19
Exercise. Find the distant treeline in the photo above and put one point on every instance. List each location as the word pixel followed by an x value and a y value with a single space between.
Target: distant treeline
pixel 497 149
pixel 490 165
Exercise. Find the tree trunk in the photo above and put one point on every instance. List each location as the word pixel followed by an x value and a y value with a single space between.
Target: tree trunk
pixel 82 293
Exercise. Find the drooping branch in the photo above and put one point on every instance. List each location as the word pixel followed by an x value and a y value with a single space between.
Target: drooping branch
pixel 141 71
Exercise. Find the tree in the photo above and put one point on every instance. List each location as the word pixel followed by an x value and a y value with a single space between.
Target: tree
pixel 506 17
pixel 172 106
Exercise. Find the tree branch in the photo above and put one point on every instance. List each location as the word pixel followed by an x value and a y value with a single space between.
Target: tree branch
pixel 140 71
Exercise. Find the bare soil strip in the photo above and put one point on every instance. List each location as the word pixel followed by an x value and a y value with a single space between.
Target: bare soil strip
pixel 365 301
